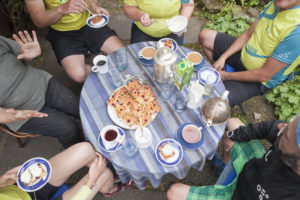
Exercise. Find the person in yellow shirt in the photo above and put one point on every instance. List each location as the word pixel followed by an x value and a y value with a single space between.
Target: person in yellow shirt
pixel 98 179
pixel 147 13
pixel 70 37
pixel 263 56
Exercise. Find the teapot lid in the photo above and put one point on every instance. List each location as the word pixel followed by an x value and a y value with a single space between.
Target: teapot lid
pixel 165 55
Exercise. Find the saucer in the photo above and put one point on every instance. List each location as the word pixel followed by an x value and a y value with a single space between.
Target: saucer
pixel 161 43
pixel 190 146
pixel 197 67
pixel 146 62
pixel 100 140
pixel 176 159
pixel 45 165
pixel 206 71
pixel 100 24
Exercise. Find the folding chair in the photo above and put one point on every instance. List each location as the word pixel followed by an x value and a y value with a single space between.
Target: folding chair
pixel 17 135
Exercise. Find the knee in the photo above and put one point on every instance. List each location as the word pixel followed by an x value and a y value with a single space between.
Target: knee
pixel 234 123
pixel 203 36
pixel 177 191
pixel 86 149
pixel 79 77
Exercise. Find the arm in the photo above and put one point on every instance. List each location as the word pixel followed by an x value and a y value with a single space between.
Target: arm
pixel 187 9
pixel 9 177
pixel 44 18
pixel 12 115
pixel 132 12
pixel 271 67
pixel 264 130
pixel 236 46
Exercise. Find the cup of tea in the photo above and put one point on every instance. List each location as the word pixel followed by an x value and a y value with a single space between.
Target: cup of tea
pixel 147 53
pixel 196 59
pixel 191 133
pixel 100 64
pixel 110 136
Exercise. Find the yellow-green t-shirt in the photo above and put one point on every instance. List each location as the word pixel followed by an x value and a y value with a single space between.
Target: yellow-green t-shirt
pixel 70 22
pixel 160 10
pixel 277 34
pixel 12 192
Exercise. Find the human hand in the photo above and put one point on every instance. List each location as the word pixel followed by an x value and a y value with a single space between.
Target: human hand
pixel 29 48
pixel 74 6
pixel 227 145
pixel 223 75
pixel 19 115
pixel 9 177
pixel 99 10
pixel 179 35
pixel 96 168
pixel 219 64
pixel 145 20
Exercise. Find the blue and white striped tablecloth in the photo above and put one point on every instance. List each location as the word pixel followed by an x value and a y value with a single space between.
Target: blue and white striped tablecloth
pixel 144 166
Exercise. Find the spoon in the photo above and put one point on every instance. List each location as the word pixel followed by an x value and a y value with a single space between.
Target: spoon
pixel 89 11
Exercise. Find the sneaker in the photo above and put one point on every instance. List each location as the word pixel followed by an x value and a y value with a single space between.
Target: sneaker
pixel 129 184
pixel 119 189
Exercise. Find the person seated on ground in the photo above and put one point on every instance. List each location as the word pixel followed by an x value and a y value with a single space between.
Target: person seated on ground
pixel 31 100
pixel 70 37
pixel 263 56
pixel 147 13
pixel 98 179
pixel 271 175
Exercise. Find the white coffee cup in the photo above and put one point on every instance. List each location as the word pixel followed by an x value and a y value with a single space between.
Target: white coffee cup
pixel 146 52
pixel 191 133
pixel 110 136
pixel 100 64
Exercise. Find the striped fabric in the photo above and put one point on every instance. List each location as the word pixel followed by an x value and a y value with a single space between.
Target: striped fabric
pixel 144 166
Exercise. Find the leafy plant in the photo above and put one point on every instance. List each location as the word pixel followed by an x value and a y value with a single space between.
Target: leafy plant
pixel 286 98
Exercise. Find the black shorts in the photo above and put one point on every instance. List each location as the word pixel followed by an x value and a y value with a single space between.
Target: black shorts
pixel 221 44
pixel 79 42
pixel 45 193
pixel 238 91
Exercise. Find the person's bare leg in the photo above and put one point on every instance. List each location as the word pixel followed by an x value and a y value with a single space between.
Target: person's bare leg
pixel 112 44
pixel 207 39
pixel 178 191
pixel 69 161
pixel 76 68
pixel 232 124
pixel 104 184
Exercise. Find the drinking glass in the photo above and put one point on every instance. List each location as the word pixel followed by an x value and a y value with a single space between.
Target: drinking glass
pixel 116 78
pixel 208 85
pixel 129 147
pixel 180 103
pixel 122 58
pixel 166 90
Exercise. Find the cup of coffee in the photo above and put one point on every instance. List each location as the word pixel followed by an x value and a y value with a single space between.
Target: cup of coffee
pixel 196 59
pixel 100 64
pixel 191 133
pixel 147 53
pixel 110 136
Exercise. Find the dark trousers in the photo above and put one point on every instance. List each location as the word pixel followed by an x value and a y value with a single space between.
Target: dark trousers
pixel 238 91
pixel 60 102
pixel 139 36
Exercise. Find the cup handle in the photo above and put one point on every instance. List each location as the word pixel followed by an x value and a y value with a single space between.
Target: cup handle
pixel 94 68
pixel 140 54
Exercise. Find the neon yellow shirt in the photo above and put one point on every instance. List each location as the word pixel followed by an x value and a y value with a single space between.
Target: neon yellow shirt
pixel 277 34
pixel 70 22
pixel 159 10
pixel 12 192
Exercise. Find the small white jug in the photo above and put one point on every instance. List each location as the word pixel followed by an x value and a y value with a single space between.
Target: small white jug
pixel 196 92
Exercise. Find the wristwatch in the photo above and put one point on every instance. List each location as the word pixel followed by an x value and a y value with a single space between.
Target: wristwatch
pixel 230 134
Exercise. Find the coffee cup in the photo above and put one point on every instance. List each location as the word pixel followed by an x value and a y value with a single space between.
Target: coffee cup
pixel 100 64
pixel 194 57
pixel 110 137
pixel 191 133
pixel 147 53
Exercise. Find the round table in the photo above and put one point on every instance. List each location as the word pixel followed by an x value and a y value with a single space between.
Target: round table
pixel 144 165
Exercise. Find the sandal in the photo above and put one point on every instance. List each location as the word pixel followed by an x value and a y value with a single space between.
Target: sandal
pixel 119 189
pixel 129 184
pixel 116 178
